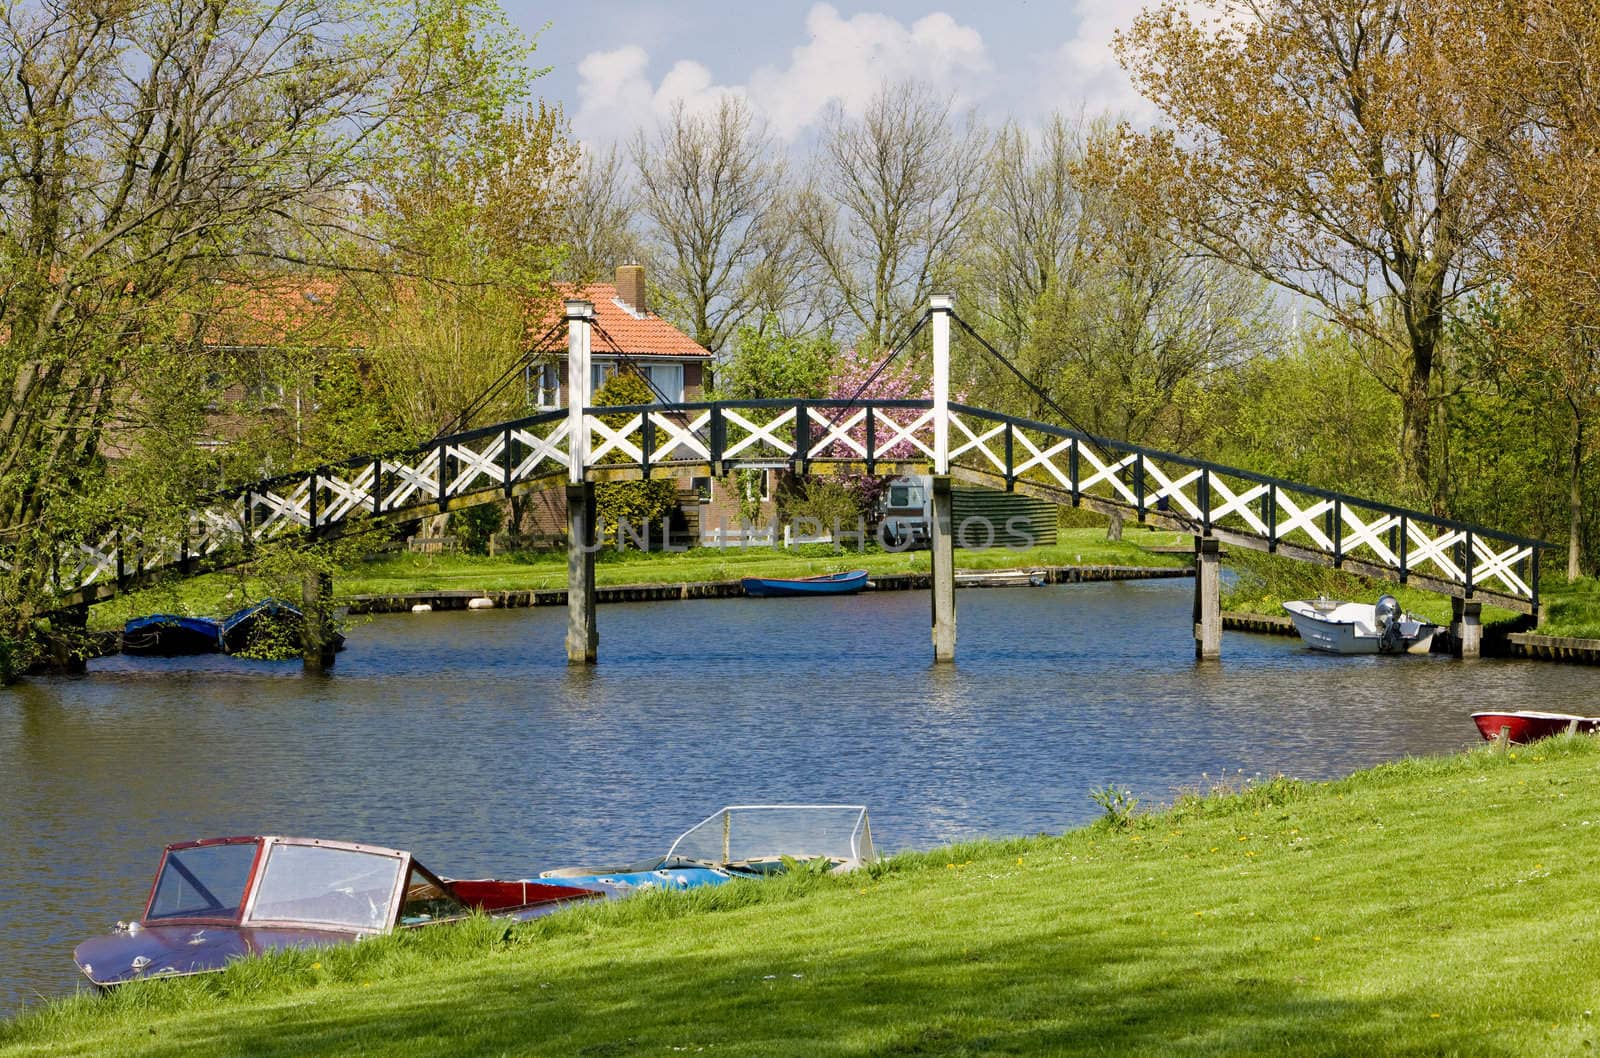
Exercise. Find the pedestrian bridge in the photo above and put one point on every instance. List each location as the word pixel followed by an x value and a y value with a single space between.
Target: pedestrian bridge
pixel 580 445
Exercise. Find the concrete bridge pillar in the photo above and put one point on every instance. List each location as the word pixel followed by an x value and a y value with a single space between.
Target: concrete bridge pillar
pixel 942 548
pixel 1466 624
pixel 318 643
pixel 1207 598
pixel 583 635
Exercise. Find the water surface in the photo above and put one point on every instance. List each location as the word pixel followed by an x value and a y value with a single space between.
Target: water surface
pixel 465 738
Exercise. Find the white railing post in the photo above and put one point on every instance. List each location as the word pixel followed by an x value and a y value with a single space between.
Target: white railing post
pixel 580 317
pixel 941 305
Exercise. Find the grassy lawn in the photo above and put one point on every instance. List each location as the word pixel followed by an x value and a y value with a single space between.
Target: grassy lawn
pixel 399 573
pixel 1431 907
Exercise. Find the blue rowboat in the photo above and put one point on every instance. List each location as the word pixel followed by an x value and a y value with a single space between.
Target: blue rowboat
pixel 739 841
pixel 167 635
pixel 847 583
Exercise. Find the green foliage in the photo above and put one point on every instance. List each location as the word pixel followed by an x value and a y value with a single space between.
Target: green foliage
pixel 1313 414
pixel 1118 804
pixel 637 504
pixel 476 526
pixel 767 364
pixel 825 501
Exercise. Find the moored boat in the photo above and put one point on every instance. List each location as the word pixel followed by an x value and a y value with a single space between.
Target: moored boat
pixel 222 899
pixel 846 583
pixel 1360 628
pixel 739 841
pixel 1001 578
pixel 170 635
pixel 1524 726
pixel 262 629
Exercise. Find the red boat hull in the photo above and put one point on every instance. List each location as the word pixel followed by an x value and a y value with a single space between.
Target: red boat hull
pixel 1524 727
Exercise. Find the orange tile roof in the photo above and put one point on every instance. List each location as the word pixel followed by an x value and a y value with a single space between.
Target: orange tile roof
pixel 649 335
pixel 277 310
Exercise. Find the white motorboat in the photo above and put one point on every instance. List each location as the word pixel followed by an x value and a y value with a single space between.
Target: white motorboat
pixel 1360 628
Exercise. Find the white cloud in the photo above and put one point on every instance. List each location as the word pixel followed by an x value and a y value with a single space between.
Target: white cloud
pixel 847 60
pixel 1084 72
pixel 844 60
pixel 615 95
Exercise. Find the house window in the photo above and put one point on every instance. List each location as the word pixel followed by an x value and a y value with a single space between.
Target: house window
pixel 265 393
pixel 666 380
pixel 702 488
pixel 543 384
pixel 599 374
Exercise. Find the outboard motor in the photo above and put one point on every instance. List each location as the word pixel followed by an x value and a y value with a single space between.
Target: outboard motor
pixel 1386 615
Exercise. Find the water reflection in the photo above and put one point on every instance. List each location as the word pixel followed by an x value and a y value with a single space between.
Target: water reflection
pixel 466 737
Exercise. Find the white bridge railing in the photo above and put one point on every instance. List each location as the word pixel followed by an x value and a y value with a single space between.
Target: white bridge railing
pixel 874 436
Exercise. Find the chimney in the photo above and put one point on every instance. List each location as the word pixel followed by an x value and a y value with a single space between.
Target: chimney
pixel 630 287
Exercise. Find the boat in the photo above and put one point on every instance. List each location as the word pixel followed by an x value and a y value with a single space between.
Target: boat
pixel 1526 726
pixel 170 635
pixel 846 583
pixel 1001 578
pixel 262 628
pixel 739 841
pixel 222 899
pixel 1360 628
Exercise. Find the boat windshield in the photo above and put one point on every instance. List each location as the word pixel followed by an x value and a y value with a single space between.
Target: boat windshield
pixel 203 881
pixel 752 837
pixel 341 888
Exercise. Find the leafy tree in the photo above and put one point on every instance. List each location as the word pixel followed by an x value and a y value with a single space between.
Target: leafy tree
pixel 1327 145
pixel 154 155
pixel 767 365
pixel 888 208
pixel 639 504
pixel 710 191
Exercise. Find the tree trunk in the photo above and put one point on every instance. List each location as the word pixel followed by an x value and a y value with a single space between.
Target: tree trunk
pixel 1575 504
pixel 1416 470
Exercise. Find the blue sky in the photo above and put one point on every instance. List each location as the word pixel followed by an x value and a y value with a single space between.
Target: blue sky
pixel 620 63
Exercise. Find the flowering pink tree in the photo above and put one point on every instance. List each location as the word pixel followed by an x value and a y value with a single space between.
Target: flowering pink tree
pixel 904 379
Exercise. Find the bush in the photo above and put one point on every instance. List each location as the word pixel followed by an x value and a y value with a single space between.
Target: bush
pixel 476 526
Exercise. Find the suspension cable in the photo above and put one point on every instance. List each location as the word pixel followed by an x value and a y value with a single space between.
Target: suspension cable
pixel 1051 402
pixel 478 403
pixel 882 366
pixel 1034 387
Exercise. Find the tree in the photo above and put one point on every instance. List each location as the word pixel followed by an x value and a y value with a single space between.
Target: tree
pixel 469 232
pixel 598 222
pixel 1548 334
pixel 709 190
pixel 887 209
pixel 1029 233
pixel 151 152
pixel 638 506
pixel 1133 345
pixel 766 365
pixel 1327 146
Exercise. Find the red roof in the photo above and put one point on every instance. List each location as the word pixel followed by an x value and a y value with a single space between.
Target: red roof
pixel 637 334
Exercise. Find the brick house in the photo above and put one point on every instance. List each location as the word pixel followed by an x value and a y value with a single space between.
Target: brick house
pixel 677 367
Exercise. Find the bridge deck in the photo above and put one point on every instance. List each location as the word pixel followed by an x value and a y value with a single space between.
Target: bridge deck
pixel 1240 507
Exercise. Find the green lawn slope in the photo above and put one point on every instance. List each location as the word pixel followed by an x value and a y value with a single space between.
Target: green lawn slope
pixel 1430 907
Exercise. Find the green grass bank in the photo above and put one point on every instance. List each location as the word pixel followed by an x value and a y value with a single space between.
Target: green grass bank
pixel 1439 906
pixel 403 573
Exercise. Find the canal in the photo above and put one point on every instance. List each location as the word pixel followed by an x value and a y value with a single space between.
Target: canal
pixel 465 738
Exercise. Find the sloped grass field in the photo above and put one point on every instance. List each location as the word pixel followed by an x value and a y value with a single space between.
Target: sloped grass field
pixel 1430 907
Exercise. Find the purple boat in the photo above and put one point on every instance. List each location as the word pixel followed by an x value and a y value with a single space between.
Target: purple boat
pixel 847 583
pixel 228 898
